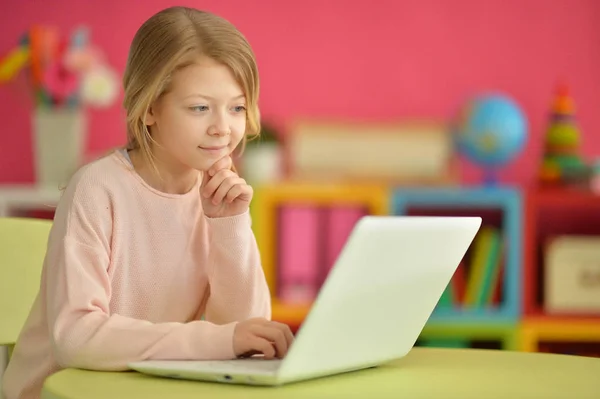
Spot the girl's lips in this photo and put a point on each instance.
(213, 150)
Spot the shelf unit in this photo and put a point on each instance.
(535, 333)
(445, 328)
(290, 314)
(19, 200)
(268, 199)
(499, 206)
(499, 335)
(526, 219)
(550, 212)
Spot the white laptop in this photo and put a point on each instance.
(371, 309)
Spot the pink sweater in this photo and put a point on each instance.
(128, 275)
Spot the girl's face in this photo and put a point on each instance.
(201, 119)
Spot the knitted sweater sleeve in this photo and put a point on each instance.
(238, 288)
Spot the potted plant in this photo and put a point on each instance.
(262, 157)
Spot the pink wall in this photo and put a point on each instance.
(394, 58)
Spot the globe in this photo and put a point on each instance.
(490, 131)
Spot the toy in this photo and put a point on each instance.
(561, 161)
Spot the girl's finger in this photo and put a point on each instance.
(286, 331)
(274, 335)
(262, 345)
(223, 163)
(241, 191)
(225, 187)
(214, 182)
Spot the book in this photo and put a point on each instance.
(298, 250)
(339, 221)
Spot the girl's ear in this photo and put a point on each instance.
(150, 118)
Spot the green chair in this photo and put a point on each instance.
(23, 243)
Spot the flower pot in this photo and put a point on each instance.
(261, 163)
(58, 144)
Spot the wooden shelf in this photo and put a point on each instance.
(293, 314)
(505, 333)
(535, 331)
(551, 212)
(268, 199)
(561, 318)
(499, 207)
(570, 197)
(15, 199)
(526, 218)
(456, 328)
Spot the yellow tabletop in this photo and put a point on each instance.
(423, 373)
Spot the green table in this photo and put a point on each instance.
(423, 373)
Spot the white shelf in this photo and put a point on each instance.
(18, 198)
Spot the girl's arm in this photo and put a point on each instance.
(76, 287)
(238, 288)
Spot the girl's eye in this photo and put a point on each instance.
(239, 108)
(199, 108)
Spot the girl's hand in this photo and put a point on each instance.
(223, 192)
(261, 336)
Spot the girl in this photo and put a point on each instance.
(151, 255)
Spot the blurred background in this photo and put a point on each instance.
(435, 107)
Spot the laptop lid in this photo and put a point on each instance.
(379, 294)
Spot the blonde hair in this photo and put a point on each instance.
(167, 42)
